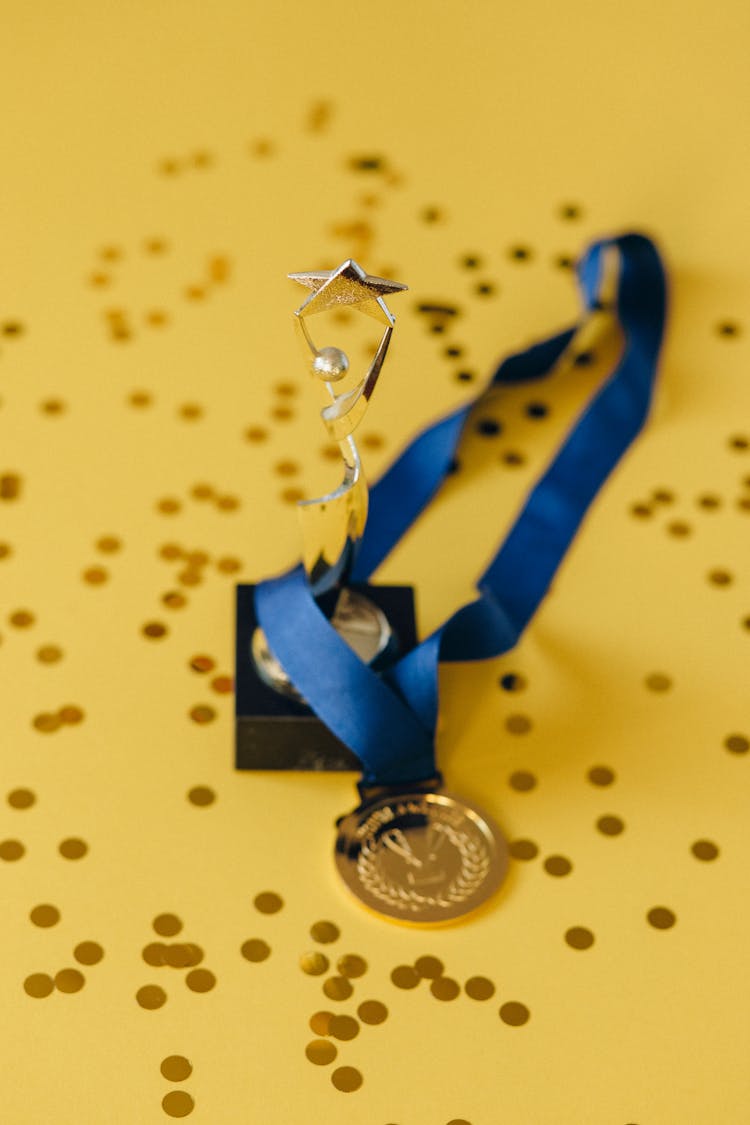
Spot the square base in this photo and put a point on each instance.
(274, 732)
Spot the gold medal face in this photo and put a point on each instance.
(421, 857)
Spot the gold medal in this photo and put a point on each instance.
(420, 856)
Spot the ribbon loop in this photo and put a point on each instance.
(389, 722)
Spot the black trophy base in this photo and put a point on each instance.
(276, 732)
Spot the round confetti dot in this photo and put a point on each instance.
(642, 511)
(351, 965)
(166, 925)
(343, 1027)
(286, 468)
(95, 575)
(523, 849)
(11, 850)
(21, 798)
(286, 390)
(578, 937)
(522, 781)
(338, 988)
(154, 630)
(38, 985)
(405, 976)
(173, 599)
(154, 953)
(320, 1022)
(718, 577)
(708, 501)
(150, 996)
(679, 529)
(373, 441)
(314, 964)
(227, 503)
(254, 949)
(518, 724)
(459, 1121)
(88, 953)
(73, 848)
(601, 775)
(21, 619)
(737, 743)
(255, 434)
(178, 955)
(140, 399)
(514, 1014)
(429, 967)
(661, 918)
(513, 458)
(488, 427)
(372, 1012)
(176, 1068)
(69, 980)
(46, 722)
(194, 952)
(177, 1103)
(168, 505)
(5, 550)
(202, 714)
(445, 988)
(658, 681)
(479, 988)
(268, 902)
(292, 495)
(557, 865)
(324, 932)
(705, 850)
(610, 825)
(200, 980)
(222, 684)
(202, 663)
(201, 796)
(45, 915)
(190, 411)
(228, 564)
(171, 551)
(71, 714)
(49, 654)
(347, 1079)
(108, 544)
(321, 1052)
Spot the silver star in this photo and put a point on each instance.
(347, 285)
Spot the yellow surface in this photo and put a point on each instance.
(227, 131)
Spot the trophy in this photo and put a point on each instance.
(275, 728)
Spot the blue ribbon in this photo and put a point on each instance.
(389, 720)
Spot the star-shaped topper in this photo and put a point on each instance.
(347, 285)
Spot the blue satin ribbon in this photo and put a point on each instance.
(389, 720)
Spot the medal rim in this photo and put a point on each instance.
(499, 857)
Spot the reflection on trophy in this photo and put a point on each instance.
(332, 525)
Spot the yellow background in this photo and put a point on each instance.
(227, 131)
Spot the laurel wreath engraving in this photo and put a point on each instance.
(475, 863)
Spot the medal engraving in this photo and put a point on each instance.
(422, 857)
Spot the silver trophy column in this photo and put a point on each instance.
(333, 525)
